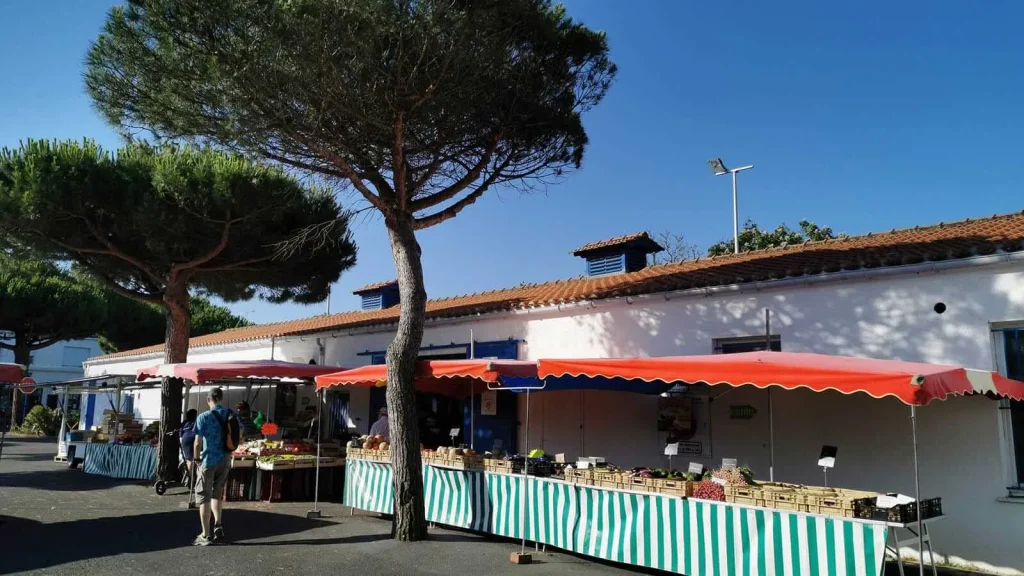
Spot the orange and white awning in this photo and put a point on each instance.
(448, 377)
(206, 372)
(912, 383)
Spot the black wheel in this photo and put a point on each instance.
(160, 487)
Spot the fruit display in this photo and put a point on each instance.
(709, 490)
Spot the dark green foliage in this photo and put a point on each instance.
(754, 238)
(147, 218)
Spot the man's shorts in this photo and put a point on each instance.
(210, 481)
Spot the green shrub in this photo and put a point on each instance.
(41, 421)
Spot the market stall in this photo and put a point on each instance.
(681, 523)
(278, 460)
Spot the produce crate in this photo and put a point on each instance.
(274, 466)
(683, 488)
(305, 463)
(833, 502)
(749, 495)
(500, 466)
(243, 462)
(610, 481)
(900, 514)
(782, 499)
(575, 476)
(640, 484)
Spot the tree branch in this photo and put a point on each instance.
(461, 184)
(118, 253)
(197, 262)
(109, 283)
(453, 210)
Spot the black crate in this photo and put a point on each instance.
(899, 514)
(537, 467)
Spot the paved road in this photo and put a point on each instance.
(57, 521)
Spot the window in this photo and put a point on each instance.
(74, 356)
(1010, 346)
(745, 344)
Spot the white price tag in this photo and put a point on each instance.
(883, 501)
(695, 468)
(454, 432)
(718, 481)
(729, 463)
(672, 449)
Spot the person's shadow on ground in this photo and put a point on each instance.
(32, 545)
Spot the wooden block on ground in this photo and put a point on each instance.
(518, 558)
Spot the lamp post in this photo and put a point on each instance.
(719, 169)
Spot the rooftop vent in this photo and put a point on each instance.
(622, 254)
(378, 296)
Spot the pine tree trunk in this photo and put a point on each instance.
(23, 356)
(175, 351)
(410, 523)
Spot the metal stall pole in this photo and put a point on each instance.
(917, 489)
(315, 512)
(771, 411)
(63, 424)
(472, 399)
(526, 479)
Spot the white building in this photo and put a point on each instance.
(55, 363)
(948, 294)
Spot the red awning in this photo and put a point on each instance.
(205, 372)
(447, 377)
(11, 373)
(911, 383)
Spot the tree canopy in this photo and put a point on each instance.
(754, 238)
(153, 223)
(42, 304)
(136, 324)
(420, 106)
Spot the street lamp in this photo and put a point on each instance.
(720, 170)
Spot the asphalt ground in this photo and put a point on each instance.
(59, 521)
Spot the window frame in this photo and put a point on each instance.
(1012, 455)
(717, 344)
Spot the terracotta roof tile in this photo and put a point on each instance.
(375, 286)
(942, 241)
(643, 237)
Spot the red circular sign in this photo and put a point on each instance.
(27, 385)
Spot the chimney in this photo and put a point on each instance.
(616, 255)
(378, 296)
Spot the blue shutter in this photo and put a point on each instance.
(608, 264)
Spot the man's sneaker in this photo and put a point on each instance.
(218, 533)
(202, 540)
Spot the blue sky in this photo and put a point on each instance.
(861, 116)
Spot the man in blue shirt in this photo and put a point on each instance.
(213, 472)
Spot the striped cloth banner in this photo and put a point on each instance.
(134, 462)
(684, 536)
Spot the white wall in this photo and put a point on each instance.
(887, 317)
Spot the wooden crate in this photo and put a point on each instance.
(275, 466)
(682, 488)
(835, 502)
(244, 462)
(495, 465)
(749, 495)
(640, 484)
(576, 476)
(610, 481)
(305, 464)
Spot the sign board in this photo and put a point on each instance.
(741, 412)
(687, 420)
(828, 457)
(560, 458)
(672, 449)
(729, 463)
(719, 481)
(27, 385)
(489, 403)
(454, 432)
(696, 468)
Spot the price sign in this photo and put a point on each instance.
(696, 468)
(729, 463)
(454, 432)
(827, 459)
(672, 449)
(718, 481)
